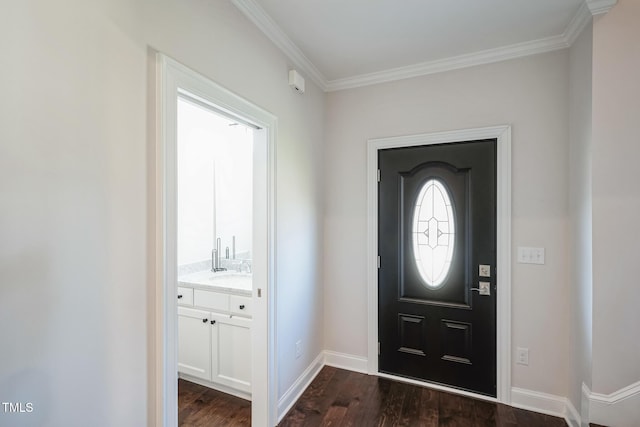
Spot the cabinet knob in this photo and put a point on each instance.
(241, 306)
(213, 322)
(205, 320)
(179, 296)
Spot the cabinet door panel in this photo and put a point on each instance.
(194, 342)
(231, 352)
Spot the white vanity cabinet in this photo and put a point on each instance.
(214, 341)
(231, 352)
(194, 342)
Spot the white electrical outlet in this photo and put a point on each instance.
(522, 356)
(298, 349)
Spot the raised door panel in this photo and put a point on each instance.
(194, 342)
(231, 352)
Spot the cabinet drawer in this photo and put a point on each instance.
(240, 305)
(185, 296)
(212, 300)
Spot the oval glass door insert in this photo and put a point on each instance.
(433, 233)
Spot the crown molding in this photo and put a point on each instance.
(548, 44)
(452, 63)
(263, 21)
(580, 20)
(598, 7)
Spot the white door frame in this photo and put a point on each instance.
(503, 272)
(171, 79)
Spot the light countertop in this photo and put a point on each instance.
(223, 281)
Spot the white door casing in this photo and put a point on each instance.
(172, 79)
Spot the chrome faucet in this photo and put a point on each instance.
(215, 258)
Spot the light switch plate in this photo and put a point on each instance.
(528, 255)
(484, 270)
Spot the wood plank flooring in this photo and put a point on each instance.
(343, 398)
(200, 406)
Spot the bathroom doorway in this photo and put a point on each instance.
(215, 222)
(214, 275)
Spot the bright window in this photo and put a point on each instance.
(433, 233)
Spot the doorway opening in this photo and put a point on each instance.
(421, 290)
(215, 228)
(215, 263)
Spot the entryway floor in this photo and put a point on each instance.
(337, 397)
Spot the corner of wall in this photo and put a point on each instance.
(544, 403)
(289, 398)
(585, 405)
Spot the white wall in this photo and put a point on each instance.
(531, 94)
(580, 216)
(73, 211)
(616, 198)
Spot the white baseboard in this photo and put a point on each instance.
(620, 408)
(216, 386)
(289, 398)
(571, 416)
(329, 358)
(586, 403)
(345, 361)
(544, 403)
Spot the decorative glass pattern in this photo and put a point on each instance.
(433, 233)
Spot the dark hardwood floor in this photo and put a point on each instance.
(342, 398)
(202, 406)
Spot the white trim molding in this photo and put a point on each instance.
(174, 79)
(291, 396)
(503, 321)
(580, 20)
(346, 361)
(503, 53)
(482, 57)
(545, 403)
(256, 14)
(571, 414)
(620, 408)
(598, 7)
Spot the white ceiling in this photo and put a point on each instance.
(347, 43)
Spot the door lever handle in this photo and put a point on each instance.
(484, 288)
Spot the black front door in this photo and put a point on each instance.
(437, 247)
